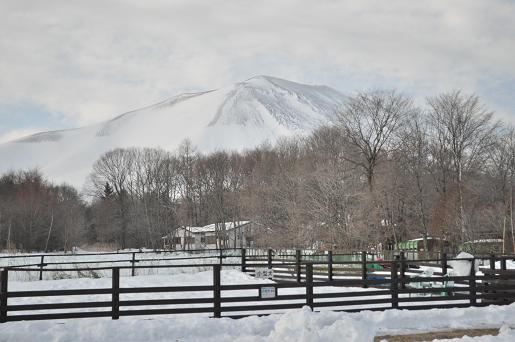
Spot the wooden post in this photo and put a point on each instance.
(133, 270)
(444, 266)
(217, 291)
(115, 301)
(330, 265)
(243, 260)
(298, 267)
(472, 282)
(221, 256)
(444, 263)
(41, 265)
(403, 269)
(503, 263)
(269, 255)
(492, 261)
(394, 286)
(309, 285)
(364, 268)
(3, 295)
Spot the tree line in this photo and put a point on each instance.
(385, 171)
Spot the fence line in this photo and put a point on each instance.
(394, 292)
(393, 281)
(330, 265)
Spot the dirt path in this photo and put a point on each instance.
(437, 335)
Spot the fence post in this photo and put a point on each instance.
(364, 268)
(503, 263)
(115, 300)
(298, 267)
(41, 265)
(243, 260)
(216, 291)
(3, 295)
(269, 258)
(309, 285)
(444, 264)
(492, 261)
(394, 285)
(472, 282)
(221, 256)
(330, 265)
(403, 269)
(133, 270)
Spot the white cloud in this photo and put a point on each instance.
(90, 60)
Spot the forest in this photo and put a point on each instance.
(387, 170)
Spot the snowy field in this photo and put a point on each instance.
(84, 260)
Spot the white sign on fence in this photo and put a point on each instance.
(267, 292)
(264, 273)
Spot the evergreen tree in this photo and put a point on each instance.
(108, 191)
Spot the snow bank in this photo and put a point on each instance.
(462, 267)
(294, 325)
(298, 325)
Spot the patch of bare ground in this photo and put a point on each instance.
(437, 335)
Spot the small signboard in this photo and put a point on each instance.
(267, 292)
(264, 273)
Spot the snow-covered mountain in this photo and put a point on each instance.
(236, 117)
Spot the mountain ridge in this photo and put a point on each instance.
(236, 117)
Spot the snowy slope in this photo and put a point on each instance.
(236, 117)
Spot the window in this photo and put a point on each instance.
(209, 240)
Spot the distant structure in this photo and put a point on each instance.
(212, 236)
(484, 246)
(414, 248)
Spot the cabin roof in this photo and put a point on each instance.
(212, 227)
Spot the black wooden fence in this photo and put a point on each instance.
(392, 291)
(288, 264)
(363, 265)
(122, 257)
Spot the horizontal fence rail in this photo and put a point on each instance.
(299, 279)
(330, 265)
(39, 264)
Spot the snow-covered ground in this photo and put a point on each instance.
(84, 260)
(288, 325)
(193, 278)
(510, 265)
(297, 325)
(293, 325)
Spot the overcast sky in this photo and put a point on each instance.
(67, 63)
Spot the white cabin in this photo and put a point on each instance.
(237, 235)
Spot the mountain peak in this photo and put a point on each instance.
(259, 78)
(261, 100)
(240, 116)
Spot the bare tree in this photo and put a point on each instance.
(114, 167)
(501, 163)
(414, 158)
(370, 122)
(463, 129)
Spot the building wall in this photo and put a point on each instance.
(236, 238)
